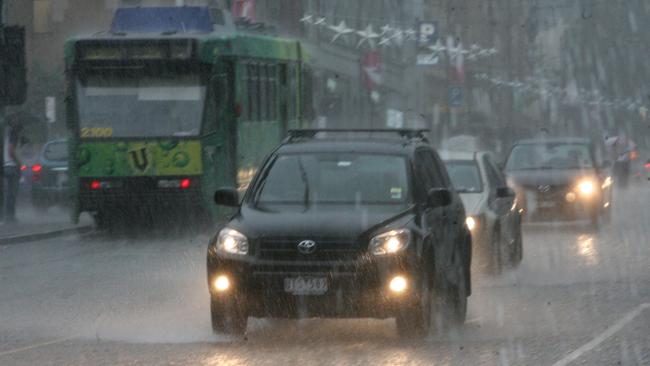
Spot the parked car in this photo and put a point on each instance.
(341, 226)
(28, 155)
(491, 208)
(560, 179)
(49, 175)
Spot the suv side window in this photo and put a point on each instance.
(422, 177)
(442, 171)
(428, 173)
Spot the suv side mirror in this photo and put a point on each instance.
(505, 192)
(227, 197)
(438, 197)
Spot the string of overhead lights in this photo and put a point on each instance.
(543, 88)
(391, 35)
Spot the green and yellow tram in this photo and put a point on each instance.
(157, 122)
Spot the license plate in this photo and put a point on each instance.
(305, 285)
(546, 204)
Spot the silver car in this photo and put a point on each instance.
(492, 213)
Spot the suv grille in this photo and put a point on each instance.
(287, 250)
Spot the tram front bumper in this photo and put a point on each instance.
(97, 194)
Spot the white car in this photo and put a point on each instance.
(492, 213)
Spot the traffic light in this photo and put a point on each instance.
(13, 80)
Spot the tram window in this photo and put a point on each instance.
(293, 92)
(272, 92)
(263, 93)
(253, 92)
(243, 94)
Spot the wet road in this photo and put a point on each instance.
(579, 297)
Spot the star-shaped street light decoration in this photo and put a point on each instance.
(410, 34)
(367, 35)
(385, 41)
(341, 30)
(385, 30)
(320, 21)
(473, 52)
(398, 36)
(438, 47)
(385, 36)
(307, 19)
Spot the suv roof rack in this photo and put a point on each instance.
(310, 133)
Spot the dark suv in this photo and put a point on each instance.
(338, 225)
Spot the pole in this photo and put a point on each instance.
(2, 120)
(446, 130)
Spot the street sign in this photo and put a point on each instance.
(428, 58)
(427, 37)
(50, 109)
(427, 33)
(394, 118)
(455, 96)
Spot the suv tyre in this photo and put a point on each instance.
(228, 317)
(415, 321)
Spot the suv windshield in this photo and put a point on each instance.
(465, 176)
(56, 151)
(334, 178)
(550, 156)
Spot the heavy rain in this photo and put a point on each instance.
(325, 182)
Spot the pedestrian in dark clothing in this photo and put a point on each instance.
(11, 171)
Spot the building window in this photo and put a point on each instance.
(42, 9)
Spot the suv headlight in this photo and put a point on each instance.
(390, 242)
(232, 242)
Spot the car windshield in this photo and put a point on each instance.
(140, 105)
(465, 176)
(334, 178)
(549, 156)
(56, 151)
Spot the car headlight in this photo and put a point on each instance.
(390, 242)
(586, 187)
(232, 242)
(607, 182)
(470, 222)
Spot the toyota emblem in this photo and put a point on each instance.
(544, 188)
(307, 247)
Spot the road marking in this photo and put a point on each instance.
(602, 336)
(56, 341)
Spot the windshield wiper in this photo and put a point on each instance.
(303, 176)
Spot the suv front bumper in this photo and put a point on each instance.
(358, 288)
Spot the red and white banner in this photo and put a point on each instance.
(243, 9)
(371, 64)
